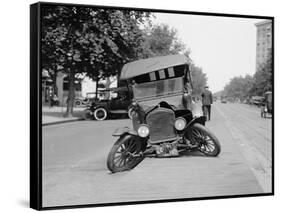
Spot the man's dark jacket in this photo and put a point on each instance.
(207, 98)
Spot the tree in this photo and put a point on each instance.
(258, 84)
(88, 40)
(263, 77)
(239, 87)
(160, 40)
(199, 79)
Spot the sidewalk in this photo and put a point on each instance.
(55, 115)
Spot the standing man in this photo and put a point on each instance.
(207, 100)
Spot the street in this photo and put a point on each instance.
(74, 162)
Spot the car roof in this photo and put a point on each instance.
(148, 65)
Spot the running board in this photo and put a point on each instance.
(119, 111)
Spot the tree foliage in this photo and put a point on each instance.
(89, 40)
(244, 87)
(239, 87)
(263, 77)
(160, 40)
(199, 79)
(98, 42)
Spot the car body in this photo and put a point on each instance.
(257, 100)
(81, 101)
(163, 83)
(224, 99)
(163, 124)
(266, 104)
(118, 102)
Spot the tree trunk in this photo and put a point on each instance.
(97, 88)
(107, 85)
(71, 94)
(55, 83)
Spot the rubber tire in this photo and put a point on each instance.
(78, 102)
(95, 114)
(212, 136)
(110, 157)
(86, 116)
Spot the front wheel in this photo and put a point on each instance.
(124, 154)
(207, 142)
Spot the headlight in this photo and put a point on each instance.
(180, 123)
(143, 131)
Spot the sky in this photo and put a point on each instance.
(224, 47)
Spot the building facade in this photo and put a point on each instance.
(264, 41)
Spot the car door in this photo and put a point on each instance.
(116, 102)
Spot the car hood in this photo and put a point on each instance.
(175, 100)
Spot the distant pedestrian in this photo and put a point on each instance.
(207, 101)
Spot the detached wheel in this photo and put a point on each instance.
(122, 155)
(207, 142)
(87, 115)
(100, 114)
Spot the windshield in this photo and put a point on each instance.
(158, 88)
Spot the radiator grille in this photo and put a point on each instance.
(161, 125)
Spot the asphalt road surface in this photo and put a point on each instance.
(75, 172)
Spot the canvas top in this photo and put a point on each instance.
(148, 65)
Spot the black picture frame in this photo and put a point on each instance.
(36, 103)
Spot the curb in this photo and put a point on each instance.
(61, 122)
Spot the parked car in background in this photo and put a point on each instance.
(118, 102)
(257, 100)
(215, 98)
(224, 99)
(266, 104)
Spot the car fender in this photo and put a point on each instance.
(96, 106)
(124, 130)
(200, 120)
